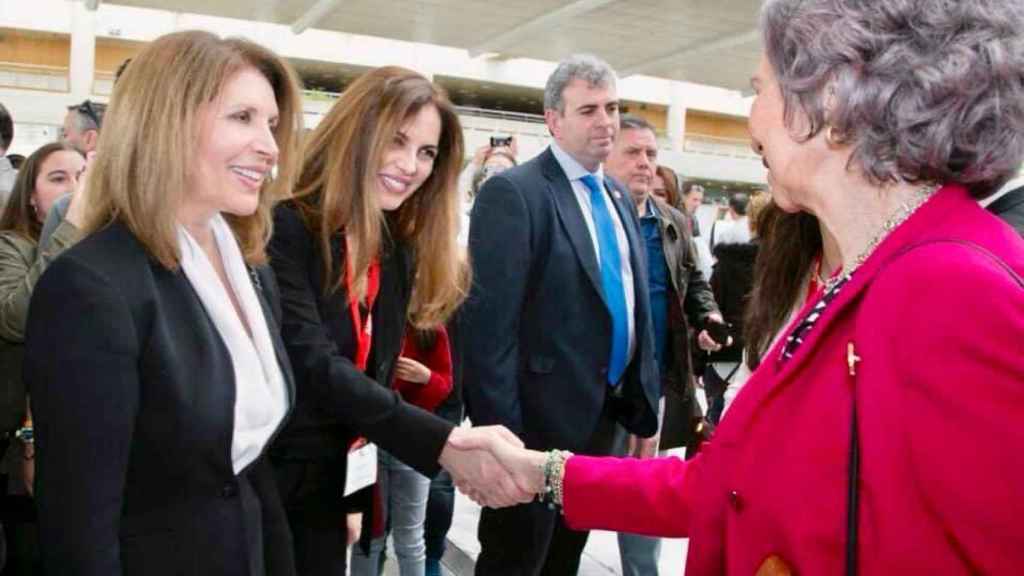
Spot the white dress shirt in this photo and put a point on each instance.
(575, 171)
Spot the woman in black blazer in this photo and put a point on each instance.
(156, 370)
(369, 240)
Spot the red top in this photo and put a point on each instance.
(937, 332)
(439, 360)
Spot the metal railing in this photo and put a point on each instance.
(500, 115)
(34, 77)
(718, 146)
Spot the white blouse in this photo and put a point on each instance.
(260, 398)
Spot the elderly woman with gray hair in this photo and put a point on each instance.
(883, 433)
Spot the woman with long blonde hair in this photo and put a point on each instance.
(153, 415)
(367, 243)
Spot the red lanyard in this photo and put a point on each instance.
(364, 332)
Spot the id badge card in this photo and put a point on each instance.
(362, 469)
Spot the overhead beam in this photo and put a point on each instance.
(695, 49)
(92, 4)
(315, 13)
(541, 23)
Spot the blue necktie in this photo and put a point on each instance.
(611, 278)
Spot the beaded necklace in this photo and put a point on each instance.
(834, 284)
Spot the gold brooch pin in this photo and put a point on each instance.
(852, 359)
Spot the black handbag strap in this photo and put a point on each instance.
(851, 496)
(853, 470)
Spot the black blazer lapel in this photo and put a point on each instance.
(572, 218)
(267, 294)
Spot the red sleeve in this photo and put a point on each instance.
(652, 497)
(439, 360)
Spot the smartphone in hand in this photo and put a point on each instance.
(719, 332)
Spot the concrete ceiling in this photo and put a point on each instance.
(705, 41)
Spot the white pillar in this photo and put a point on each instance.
(83, 50)
(677, 117)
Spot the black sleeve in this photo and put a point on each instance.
(324, 376)
(81, 367)
(499, 247)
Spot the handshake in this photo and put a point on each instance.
(491, 465)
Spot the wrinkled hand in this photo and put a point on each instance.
(469, 456)
(411, 371)
(643, 447)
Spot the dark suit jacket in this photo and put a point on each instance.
(335, 400)
(537, 330)
(133, 396)
(1011, 209)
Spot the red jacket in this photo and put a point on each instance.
(939, 330)
(439, 360)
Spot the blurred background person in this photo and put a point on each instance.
(81, 130)
(8, 171)
(732, 225)
(139, 460)
(49, 172)
(488, 161)
(665, 187)
(692, 198)
(82, 125)
(887, 127)
(731, 282)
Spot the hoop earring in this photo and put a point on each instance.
(830, 136)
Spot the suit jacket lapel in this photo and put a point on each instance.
(263, 294)
(572, 219)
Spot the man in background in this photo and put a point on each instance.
(680, 296)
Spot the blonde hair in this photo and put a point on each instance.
(140, 173)
(759, 200)
(335, 188)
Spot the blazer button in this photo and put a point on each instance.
(229, 490)
(736, 500)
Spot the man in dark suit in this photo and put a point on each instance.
(559, 346)
(1009, 205)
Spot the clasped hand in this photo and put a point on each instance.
(491, 466)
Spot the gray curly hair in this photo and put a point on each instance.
(595, 71)
(923, 90)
